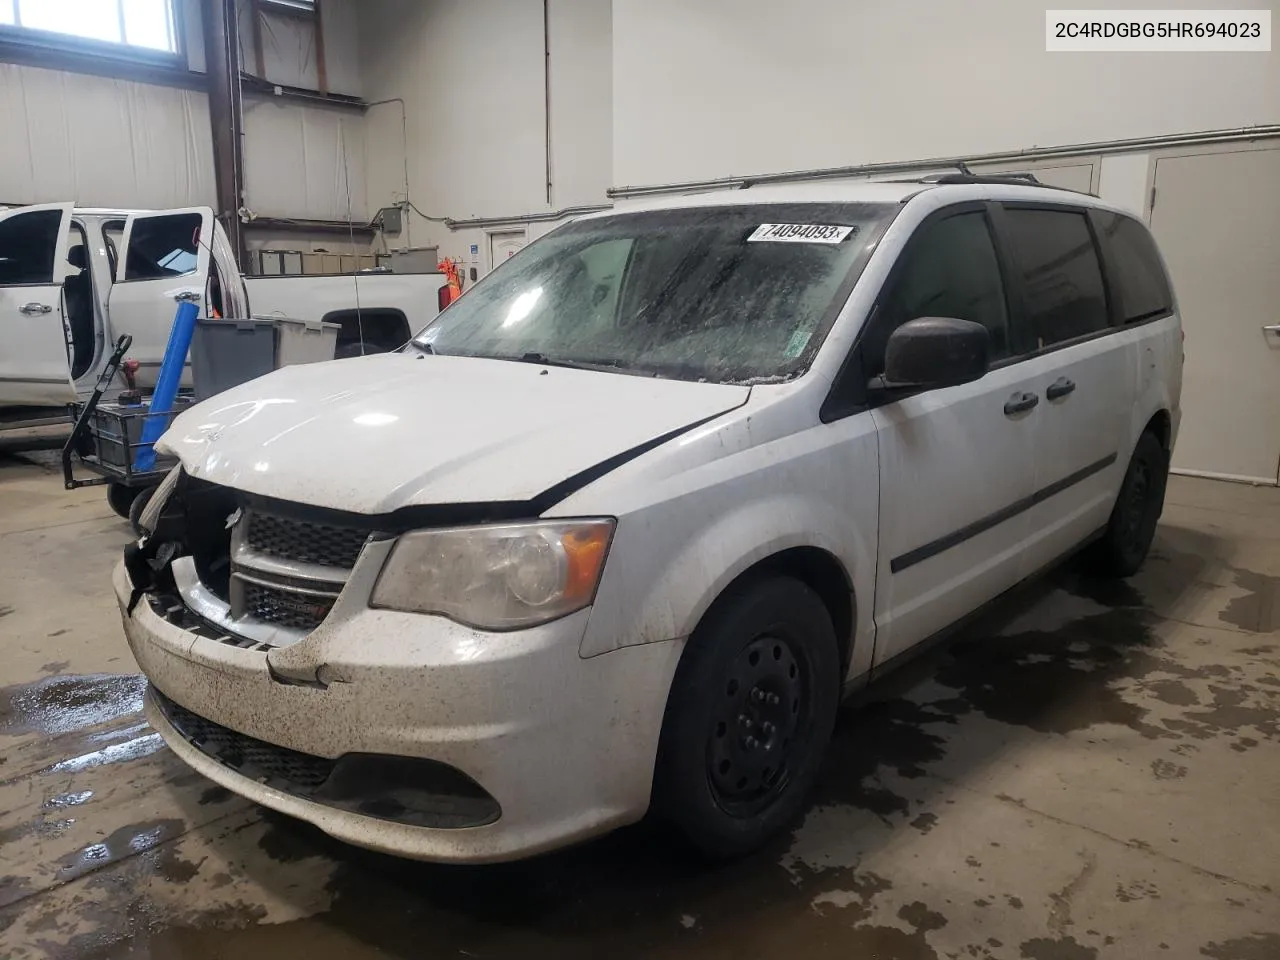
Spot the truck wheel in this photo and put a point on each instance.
(120, 498)
(1132, 526)
(749, 716)
(135, 509)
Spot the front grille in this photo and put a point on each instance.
(284, 607)
(408, 790)
(305, 542)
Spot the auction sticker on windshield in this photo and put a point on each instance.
(799, 233)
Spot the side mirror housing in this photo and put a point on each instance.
(932, 352)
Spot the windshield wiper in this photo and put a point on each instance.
(543, 360)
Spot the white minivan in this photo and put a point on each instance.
(615, 532)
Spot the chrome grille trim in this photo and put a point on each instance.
(203, 602)
(244, 557)
(286, 592)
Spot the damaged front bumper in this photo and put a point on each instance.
(411, 734)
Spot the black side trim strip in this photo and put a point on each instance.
(919, 554)
(561, 491)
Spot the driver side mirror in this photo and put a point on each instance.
(932, 352)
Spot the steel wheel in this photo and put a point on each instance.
(750, 743)
(750, 712)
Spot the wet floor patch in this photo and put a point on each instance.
(1259, 946)
(1077, 657)
(61, 704)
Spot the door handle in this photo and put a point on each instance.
(1272, 328)
(187, 296)
(1060, 388)
(34, 309)
(1020, 403)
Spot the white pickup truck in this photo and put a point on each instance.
(72, 280)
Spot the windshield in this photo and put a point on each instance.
(724, 294)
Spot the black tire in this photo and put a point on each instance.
(1133, 521)
(135, 509)
(120, 498)
(718, 778)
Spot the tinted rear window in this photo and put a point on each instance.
(1138, 275)
(163, 246)
(1061, 275)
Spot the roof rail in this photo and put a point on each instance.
(1018, 179)
(966, 176)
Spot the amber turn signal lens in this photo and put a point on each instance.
(584, 549)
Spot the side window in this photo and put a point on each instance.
(1137, 274)
(166, 246)
(28, 242)
(950, 270)
(606, 263)
(1061, 276)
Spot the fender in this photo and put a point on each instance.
(672, 567)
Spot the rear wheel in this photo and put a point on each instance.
(1133, 521)
(749, 716)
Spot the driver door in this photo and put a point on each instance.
(163, 260)
(956, 464)
(34, 366)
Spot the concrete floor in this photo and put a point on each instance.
(1093, 771)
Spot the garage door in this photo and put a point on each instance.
(1217, 220)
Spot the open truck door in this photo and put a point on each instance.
(35, 368)
(163, 260)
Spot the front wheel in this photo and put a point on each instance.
(749, 716)
(1132, 527)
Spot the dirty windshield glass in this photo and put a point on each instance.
(725, 294)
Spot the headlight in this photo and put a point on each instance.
(496, 577)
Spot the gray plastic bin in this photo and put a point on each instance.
(305, 341)
(227, 353)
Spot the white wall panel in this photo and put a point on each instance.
(299, 161)
(725, 87)
(471, 75)
(581, 100)
(102, 142)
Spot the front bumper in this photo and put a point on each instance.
(564, 745)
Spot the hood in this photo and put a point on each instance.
(374, 434)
